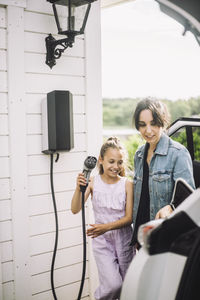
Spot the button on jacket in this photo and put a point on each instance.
(170, 161)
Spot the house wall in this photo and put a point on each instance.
(27, 223)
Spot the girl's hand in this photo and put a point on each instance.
(96, 230)
(164, 212)
(80, 180)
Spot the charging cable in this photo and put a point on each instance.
(83, 189)
(56, 224)
(89, 164)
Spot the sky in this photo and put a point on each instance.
(145, 54)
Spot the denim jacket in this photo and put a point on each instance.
(170, 161)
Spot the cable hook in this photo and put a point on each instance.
(57, 157)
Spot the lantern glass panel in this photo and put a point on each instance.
(76, 18)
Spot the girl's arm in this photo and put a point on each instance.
(76, 202)
(98, 229)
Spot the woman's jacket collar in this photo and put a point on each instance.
(161, 149)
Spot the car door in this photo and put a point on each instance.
(187, 132)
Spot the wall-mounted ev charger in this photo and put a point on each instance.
(57, 122)
(57, 136)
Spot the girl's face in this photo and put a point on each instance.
(112, 162)
(148, 129)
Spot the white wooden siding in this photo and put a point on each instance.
(93, 108)
(6, 256)
(17, 151)
(27, 225)
(68, 75)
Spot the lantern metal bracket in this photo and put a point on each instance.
(55, 48)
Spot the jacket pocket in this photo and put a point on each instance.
(162, 188)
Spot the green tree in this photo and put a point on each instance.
(132, 144)
(178, 109)
(118, 113)
(181, 138)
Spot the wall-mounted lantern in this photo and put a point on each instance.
(71, 17)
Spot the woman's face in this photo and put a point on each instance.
(148, 129)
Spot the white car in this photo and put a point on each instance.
(167, 267)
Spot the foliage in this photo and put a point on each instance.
(196, 140)
(132, 144)
(118, 113)
(181, 138)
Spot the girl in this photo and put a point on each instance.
(112, 200)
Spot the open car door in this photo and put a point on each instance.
(187, 132)
(186, 12)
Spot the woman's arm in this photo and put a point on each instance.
(98, 229)
(182, 169)
(76, 202)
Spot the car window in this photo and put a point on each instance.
(196, 141)
(180, 136)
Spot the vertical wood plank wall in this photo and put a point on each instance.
(6, 237)
(27, 225)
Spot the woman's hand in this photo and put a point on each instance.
(96, 230)
(164, 212)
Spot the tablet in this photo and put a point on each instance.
(181, 191)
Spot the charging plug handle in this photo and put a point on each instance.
(83, 188)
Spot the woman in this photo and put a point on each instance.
(157, 165)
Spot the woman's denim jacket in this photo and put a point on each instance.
(170, 161)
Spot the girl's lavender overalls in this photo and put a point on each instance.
(112, 250)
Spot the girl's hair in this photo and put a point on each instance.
(159, 111)
(112, 142)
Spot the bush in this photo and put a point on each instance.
(132, 144)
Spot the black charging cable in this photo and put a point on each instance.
(89, 164)
(56, 224)
(83, 189)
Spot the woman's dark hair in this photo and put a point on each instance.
(159, 111)
(111, 142)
